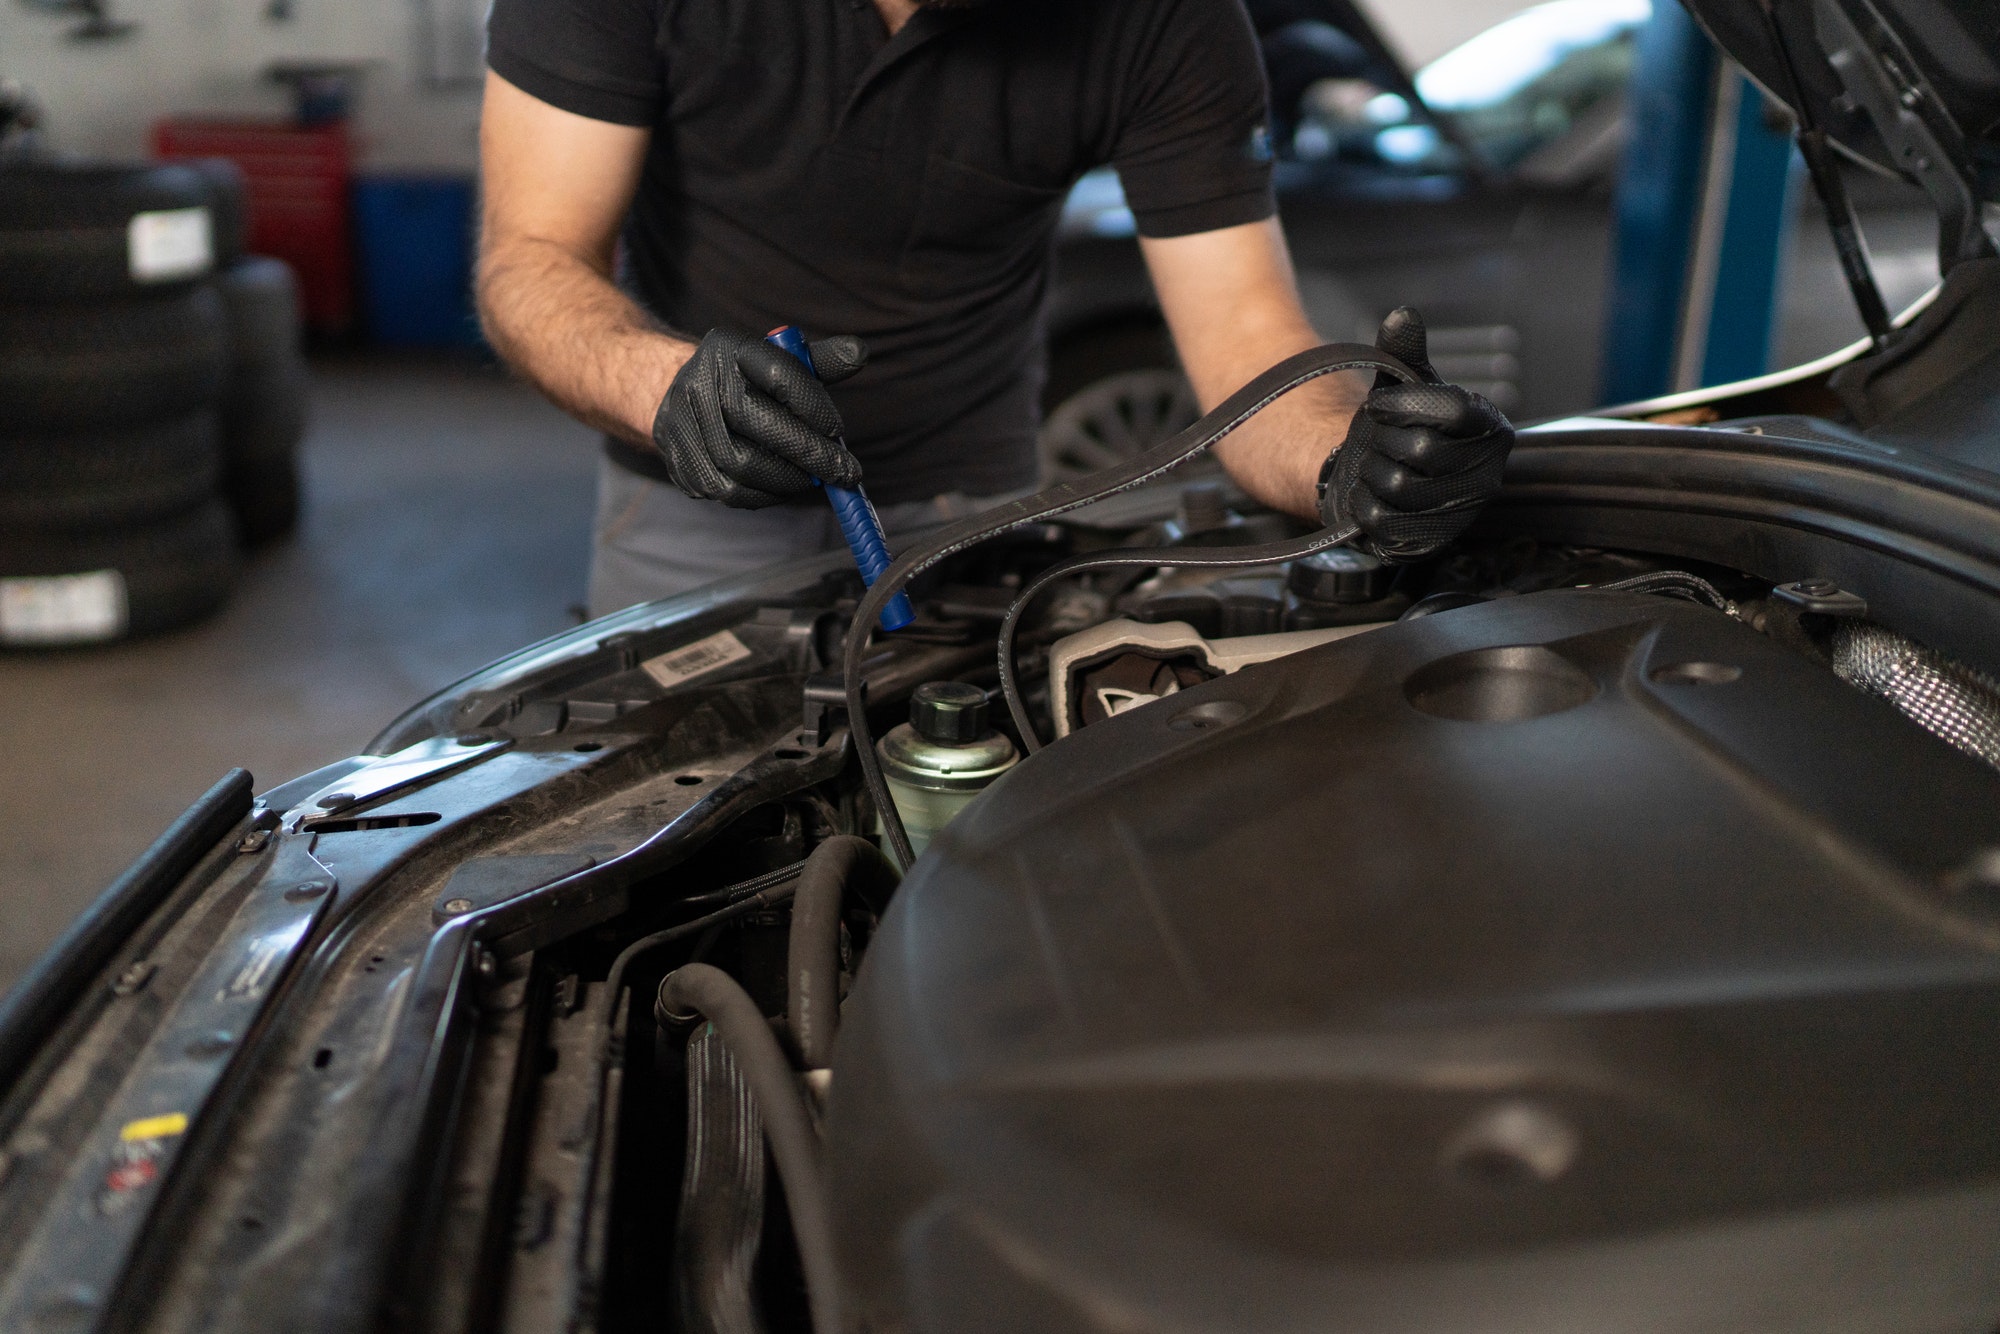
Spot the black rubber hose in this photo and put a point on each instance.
(701, 989)
(1156, 462)
(812, 966)
(764, 891)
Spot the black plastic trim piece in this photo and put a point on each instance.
(39, 1002)
(395, 1192)
(1917, 538)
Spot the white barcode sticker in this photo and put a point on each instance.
(697, 659)
(170, 244)
(63, 608)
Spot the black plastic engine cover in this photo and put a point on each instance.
(1574, 961)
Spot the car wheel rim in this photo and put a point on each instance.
(1111, 420)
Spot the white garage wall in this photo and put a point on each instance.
(206, 57)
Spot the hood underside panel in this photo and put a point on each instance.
(1941, 56)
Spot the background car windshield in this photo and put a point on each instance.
(1514, 88)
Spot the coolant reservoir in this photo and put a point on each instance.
(942, 758)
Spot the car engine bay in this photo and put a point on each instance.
(1598, 919)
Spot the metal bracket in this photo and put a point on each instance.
(1823, 167)
(1880, 75)
(421, 763)
(825, 705)
(484, 881)
(1822, 597)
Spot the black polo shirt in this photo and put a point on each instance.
(807, 168)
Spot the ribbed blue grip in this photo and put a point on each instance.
(858, 520)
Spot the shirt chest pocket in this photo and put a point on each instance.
(972, 225)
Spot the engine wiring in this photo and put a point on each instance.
(765, 891)
(1672, 584)
(951, 539)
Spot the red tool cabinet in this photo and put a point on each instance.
(298, 179)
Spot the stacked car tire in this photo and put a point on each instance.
(264, 406)
(151, 398)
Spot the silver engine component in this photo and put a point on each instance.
(1077, 698)
(942, 758)
(1951, 701)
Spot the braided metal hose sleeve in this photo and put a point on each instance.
(780, 1101)
(1156, 462)
(843, 864)
(1947, 699)
(1182, 558)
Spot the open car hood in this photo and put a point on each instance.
(1909, 86)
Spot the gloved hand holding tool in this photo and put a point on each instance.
(748, 421)
(1419, 461)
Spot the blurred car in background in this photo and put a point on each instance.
(1478, 190)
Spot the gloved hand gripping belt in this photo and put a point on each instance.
(1420, 459)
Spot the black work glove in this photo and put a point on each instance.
(747, 424)
(1419, 459)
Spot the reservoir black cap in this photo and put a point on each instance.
(949, 713)
(1339, 575)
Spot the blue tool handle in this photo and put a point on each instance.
(858, 520)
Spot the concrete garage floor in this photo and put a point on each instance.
(447, 520)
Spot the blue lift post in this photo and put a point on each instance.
(1702, 214)
(1742, 312)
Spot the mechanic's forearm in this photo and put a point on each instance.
(562, 324)
(1276, 457)
(1233, 306)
